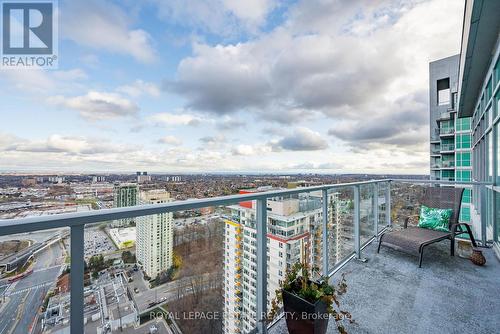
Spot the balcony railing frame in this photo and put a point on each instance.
(77, 221)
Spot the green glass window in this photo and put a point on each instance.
(497, 101)
(463, 141)
(464, 124)
(497, 72)
(448, 175)
(497, 126)
(463, 159)
(465, 214)
(466, 198)
(488, 91)
(462, 175)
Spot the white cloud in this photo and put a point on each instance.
(168, 119)
(249, 150)
(170, 140)
(243, 150)
(97, 105)
(105, 26)
(357, 62)
(91, 60)
(213, 142)
(71, 145)
(302, 139)
(229, 124)
(39, 81)
(139, 88)
(358, 68)
(223, 17)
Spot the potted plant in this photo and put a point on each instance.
(309, 304)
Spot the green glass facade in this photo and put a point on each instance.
(485, 145)
(463, 168)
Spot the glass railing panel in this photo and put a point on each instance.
(304, 240)
(382, 208)
(405, 202)
(34, 276)
(366, 209)
(178, 269)
(340, 224)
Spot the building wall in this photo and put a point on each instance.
(288, 241)
(154, 245)
(486, 145)
(125, 195)
(450, 136)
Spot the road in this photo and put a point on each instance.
(169, 291)
(24, 297)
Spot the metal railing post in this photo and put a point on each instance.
(484, 217)
(357, 241)
(375, 210)
(261, 266)
(325, 232)
(388, 219)
(76, 281)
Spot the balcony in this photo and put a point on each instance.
(390, 294)
(445, 132)
(448, 164)
(436, 151)
(435, 166)
(447, 148)
(446, 115)
(365, 210)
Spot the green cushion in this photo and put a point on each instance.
(435, 219)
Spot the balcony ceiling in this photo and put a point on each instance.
(481, 31)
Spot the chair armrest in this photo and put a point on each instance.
(407, 219)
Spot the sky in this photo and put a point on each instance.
(315, 86)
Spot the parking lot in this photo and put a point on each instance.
(97, 242)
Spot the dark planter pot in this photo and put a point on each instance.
(303, 317)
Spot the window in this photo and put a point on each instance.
(463, 141)
(463, 175)
(463, 159)
(465, 214)
(466, 198)
(497, 71)
(443, 91)
(463, 124)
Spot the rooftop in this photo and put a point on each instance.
(390, 294)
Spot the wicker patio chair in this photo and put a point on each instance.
(413, 240)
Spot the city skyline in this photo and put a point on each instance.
(179, 107)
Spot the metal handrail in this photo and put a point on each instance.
(77, 221)
(30, 224)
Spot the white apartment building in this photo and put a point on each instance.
(289, 240)
(154, 235)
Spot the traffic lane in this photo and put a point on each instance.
(37, 277)
(31, 306)
(9, 313)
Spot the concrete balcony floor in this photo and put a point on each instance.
(390, 294)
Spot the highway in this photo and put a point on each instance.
(24, 297)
